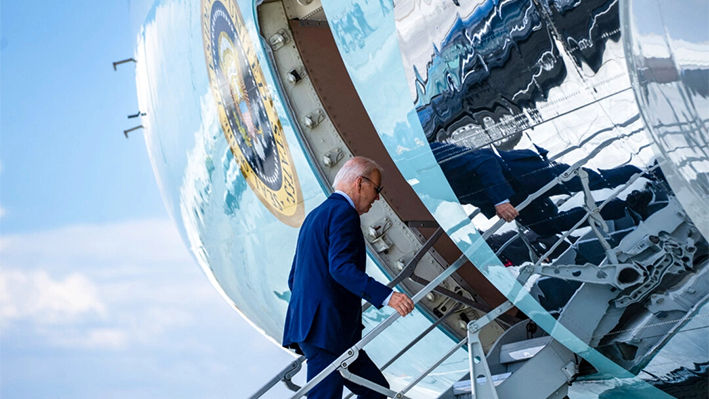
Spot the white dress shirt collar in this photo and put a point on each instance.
(347, 197)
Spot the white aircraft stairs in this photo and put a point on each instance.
(513, 361)
(525, 358)
(517, 357)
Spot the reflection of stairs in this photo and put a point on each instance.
(520, 362)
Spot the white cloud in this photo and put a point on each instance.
(37, 296)
(137, 319)
(100, 286)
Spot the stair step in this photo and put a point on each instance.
(522, 350)
(463, 387)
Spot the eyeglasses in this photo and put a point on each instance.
(378, 189)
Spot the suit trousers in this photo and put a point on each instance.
(331, 387)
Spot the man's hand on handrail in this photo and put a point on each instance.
(401, 303)
(506, 211)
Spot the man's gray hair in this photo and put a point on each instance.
(354, 168)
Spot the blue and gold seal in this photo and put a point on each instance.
(247, 113)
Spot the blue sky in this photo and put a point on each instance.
(98, 295)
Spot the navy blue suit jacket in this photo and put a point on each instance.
(327, 279)
(481, 178)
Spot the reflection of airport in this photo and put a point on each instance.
(485, 79)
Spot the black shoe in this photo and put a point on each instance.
(638, 201)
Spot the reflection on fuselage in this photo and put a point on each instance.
(527, 104)
(668, 61)
(485, 81)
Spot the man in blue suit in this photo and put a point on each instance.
(497, 184)
(328, 281)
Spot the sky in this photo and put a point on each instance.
(99, 297)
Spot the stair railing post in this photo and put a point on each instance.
(481, 384)
(284, 375)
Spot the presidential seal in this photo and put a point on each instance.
(246, 111)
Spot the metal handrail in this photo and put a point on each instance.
(505, 320)
(415, 340)
(423, 375)
(284, 375)
(289, 371)
(410, 267)
(344, 360)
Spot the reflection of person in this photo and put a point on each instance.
(328, 280)
(497, 184)
(361, 20)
